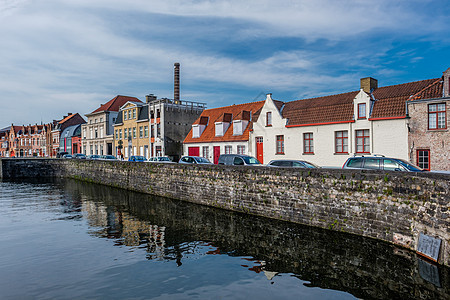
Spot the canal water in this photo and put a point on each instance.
(74, 240)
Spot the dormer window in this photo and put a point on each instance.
(269, 118)
(219, 128)
(196, 131)
(361, 111)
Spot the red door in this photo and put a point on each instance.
(259, 149)
(216, 154)
(194, 151)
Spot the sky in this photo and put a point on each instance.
(61, 56)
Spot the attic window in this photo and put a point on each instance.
(269, 118)
(361, 111)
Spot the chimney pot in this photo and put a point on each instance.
(369, 84)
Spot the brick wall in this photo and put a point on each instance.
(393, 207)
(437, 141)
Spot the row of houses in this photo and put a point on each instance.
(407, 121)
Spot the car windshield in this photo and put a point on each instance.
(163, 159)
(202, 160)
(410, 166)
(310, 165)
(140, 158)
(250, 160)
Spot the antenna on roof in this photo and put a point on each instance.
(259, 95)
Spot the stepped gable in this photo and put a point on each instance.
(390, 100)
(326, 109)
(214, 114)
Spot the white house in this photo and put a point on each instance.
(327, 130)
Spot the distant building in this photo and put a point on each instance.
(170, 122)
(58, 127)
(131, 130)
(98, 132)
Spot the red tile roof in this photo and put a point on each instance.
(214, 114)
(115, 103)
(334, 108)
(391, 100)
(66, 118)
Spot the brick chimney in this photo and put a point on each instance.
(176, 82)
(369, 84)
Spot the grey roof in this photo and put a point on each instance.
(143, 113)
(74, 130)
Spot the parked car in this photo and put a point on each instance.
(107, 157)
(291, 163)
(79, 156)
(136, 158)
(93, 157)
(61, 154)
(67, 156)
(238, 160)
(380, 163)
(163, 159)
(194, 160)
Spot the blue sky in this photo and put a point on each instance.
(60, 56)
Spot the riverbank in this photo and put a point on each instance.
(390, 206)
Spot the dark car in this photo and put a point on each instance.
(67, 156)
(61, 154)
(238, 160)
(291, 163)
(136, 158)
(380, 163)
(79, 156)
(194, 160)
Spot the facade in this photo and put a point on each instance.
(98, 132)
(429, 136)
(327, 130)
(58, 127)
(70, 140)
(223, 130)
(131, 135)
(170, 122)
(4, 142)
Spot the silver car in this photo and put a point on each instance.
(194, 160)
(291, 163)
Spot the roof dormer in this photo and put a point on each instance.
(241, 122)
(222, 124)
(199, 127)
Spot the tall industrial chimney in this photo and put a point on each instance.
(176, 82)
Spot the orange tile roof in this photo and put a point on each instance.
(115, 103)
(214, 114)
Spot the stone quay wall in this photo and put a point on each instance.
(390, 206)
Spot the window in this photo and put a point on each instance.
(437, 116)
(269, 118)
(129, 133)
(117, 134)
(361, 111)
(228, 149)
(308, 143)
(125, 115)
(280, 144)
(101, 120)
(134, 113)
(146, 131)
(125, 135)
(205, 152)
(129, 114)
(158, 130)
(372, 163)
(391, 165)
(134, 132)
(240, 149)
(152, 131)
(141, 132)
(423, 159)
(341, 142)
(120, 133)
(158, 114)
(96, 133)
(362, 141)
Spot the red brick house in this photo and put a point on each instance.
(429, 136)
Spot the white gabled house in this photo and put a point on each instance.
(327, 130)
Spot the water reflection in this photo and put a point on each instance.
(171, 230)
